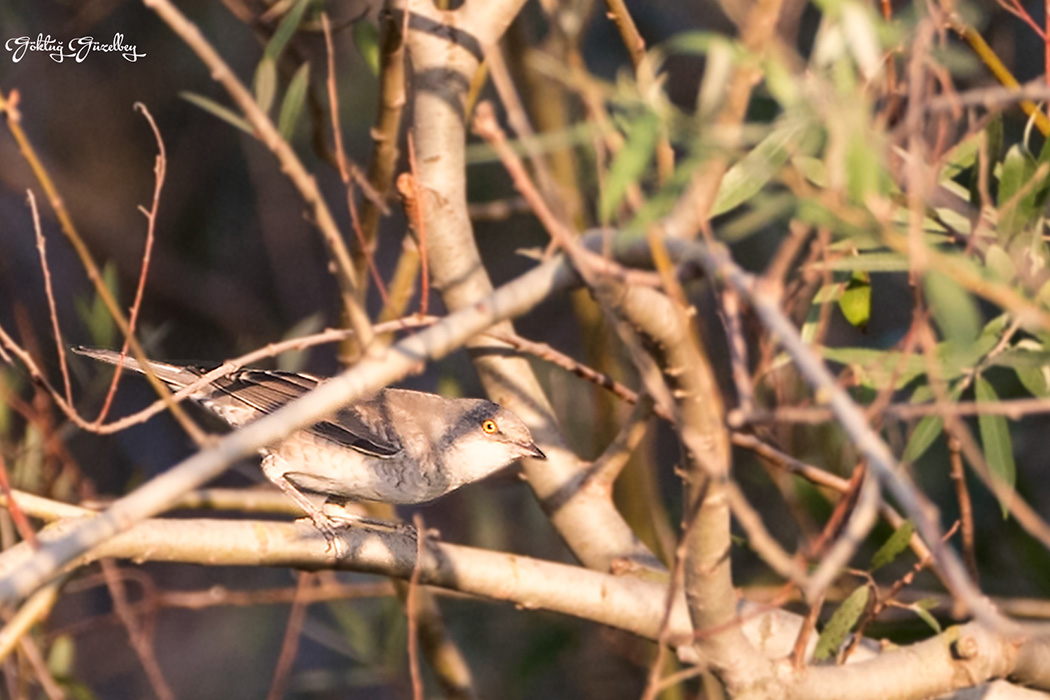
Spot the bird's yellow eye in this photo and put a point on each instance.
(490, 427)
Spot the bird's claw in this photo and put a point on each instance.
(330, 530)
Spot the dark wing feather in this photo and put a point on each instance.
(266, 391)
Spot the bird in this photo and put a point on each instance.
(396, 446)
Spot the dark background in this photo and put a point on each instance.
(236, 265)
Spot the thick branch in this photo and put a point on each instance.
(959, 658)
(445, 50)
(700, 422)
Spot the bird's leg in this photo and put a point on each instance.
(274, 467)
(335, 508)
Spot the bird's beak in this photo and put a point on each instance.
(530, 450)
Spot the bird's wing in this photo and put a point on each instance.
(266, 391)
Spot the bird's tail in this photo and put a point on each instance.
(173, 375)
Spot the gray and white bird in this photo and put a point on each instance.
(396, 446)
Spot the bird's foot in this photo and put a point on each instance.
(330, 529)
(339, 511)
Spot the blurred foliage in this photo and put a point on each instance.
(893, 247)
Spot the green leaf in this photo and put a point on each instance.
(878, 367)
(896, 544)
(812, 168)
(366, 39)
(962, 156)
(924, 435)
(995, 437)
(746, 178)
(285, 30)
(630, 163)
(765, 211)
(855, 302)
(216, 109)
(930, 427)
(953, 308)
(61, 657)
(265, 84)
(993, 140)
(95, 316)
(294, 99)
(1000, 264)
(297, 360)
(1020, 357)
(841, 623)
(922, 609)
(1031, 363)
(1035, 381)
(1042, 190)
(697, 42)
(864, 171)
(1014, 212)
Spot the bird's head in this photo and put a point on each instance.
(484, 438)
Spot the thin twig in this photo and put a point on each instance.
(556, 357)
(730, 315)
(419, 219)
(41, 246)
(677, 583)
(387, 129)
(159, 169)
(412, 610)
(19, 517)
(292, 633)
(962, 495)
(518, 119)
(348, 171)
(140, 641)
(646, 75)
(614, 458)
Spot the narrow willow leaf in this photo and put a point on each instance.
(992, 136)
(953, 308)
(858, 22)
(265, 84)
(929, 428)
(1015, 174)
(1031, 363)
(879, 366)
(922, 609)
(995, 437)
(1042, 188)
(962, 156)
(893, 546)
(630, 163)
(294, 99)
(224, 113)
(924, 435)
(102, 330)
(285, 30)
(865, 175)
(841, 623)
(746, 178)
(1000, 264)
(366, 40)
(880, 261)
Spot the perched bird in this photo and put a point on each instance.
(396, 446)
